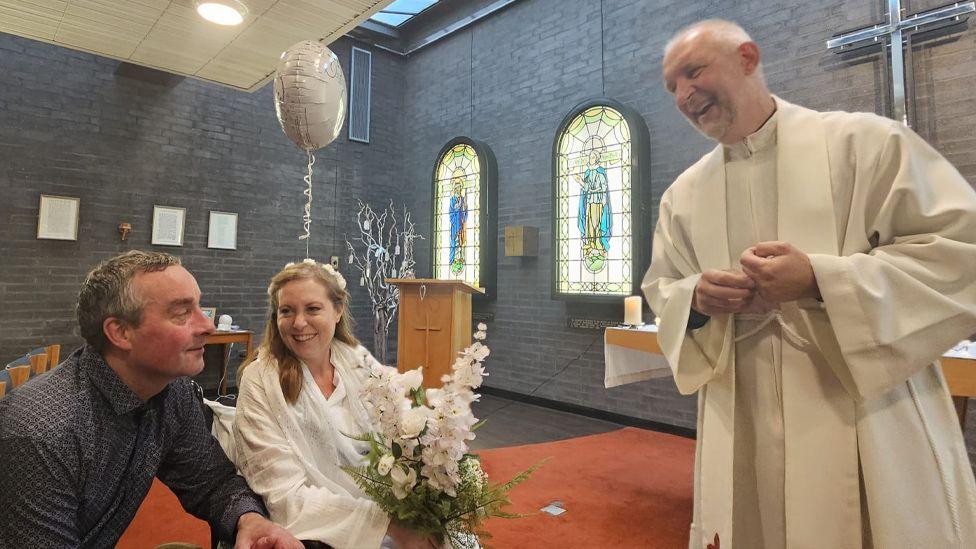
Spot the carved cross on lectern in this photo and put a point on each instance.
(900, 31)
(426, 328)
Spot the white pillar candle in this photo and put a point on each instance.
(632, 310)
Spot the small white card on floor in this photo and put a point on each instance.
(553, 509)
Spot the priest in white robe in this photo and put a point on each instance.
(808, 273)
(298, 400)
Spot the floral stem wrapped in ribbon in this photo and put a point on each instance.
(419, 469)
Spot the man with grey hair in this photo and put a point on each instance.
(809, 272)
(80, 446)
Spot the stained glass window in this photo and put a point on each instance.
(594, 204)
(463, 234)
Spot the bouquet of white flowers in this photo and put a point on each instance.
(419, 469)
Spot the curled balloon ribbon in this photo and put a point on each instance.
(307, 218)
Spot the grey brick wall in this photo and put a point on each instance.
(509, 80)
(125, 139)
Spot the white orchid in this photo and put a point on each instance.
(420, 445)
(411, 380)
(469, 375)
(422, 435)
(404, 479)
(478, 351)
(385, 464)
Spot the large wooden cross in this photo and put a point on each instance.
(899, 31)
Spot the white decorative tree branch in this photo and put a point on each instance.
(383, 249)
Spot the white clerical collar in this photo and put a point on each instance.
(761, 139)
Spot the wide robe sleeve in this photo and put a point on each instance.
(695, 356)
(318, 509)
(910, 294)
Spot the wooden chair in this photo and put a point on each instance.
(53, 355)
(19, 375)
(38, 363)
(3, 389)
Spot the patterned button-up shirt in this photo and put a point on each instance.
(79, 450)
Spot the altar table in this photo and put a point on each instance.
(633, 354)
(225, 339)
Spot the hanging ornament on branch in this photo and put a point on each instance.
(310, 101)
(379, 232)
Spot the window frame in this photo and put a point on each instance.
(488, 211)
(640, 189)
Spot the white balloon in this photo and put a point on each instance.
(310, 95)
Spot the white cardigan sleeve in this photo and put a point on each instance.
(320, 510)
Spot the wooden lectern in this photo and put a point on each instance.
(434, 325)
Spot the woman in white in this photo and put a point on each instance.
(297, 400)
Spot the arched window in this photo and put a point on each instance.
(597, 164)
(464, 220)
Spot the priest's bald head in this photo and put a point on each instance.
(713, 70)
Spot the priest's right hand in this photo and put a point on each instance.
(719, 292)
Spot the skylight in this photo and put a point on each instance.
(401, 11)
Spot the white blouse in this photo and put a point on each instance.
(291, 454)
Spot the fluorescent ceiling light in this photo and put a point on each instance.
(222, 12)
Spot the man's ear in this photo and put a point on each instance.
(749, 57)
(117, 333)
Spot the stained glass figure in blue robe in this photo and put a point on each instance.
(595, 219)
(458, 212)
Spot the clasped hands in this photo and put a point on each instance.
(772, 273)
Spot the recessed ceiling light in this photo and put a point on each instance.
(222, 12)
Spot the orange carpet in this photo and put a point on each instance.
(161, 519)
(629, 488)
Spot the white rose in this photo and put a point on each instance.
(482, 327)
(385, 464)
(412, 422)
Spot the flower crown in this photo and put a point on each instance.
(327, 267)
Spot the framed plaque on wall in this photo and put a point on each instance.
(223, 231)
(57, 217)
(167, 227)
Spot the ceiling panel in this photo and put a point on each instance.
(169, 35)
(31, 19)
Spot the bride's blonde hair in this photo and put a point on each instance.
(289, 367)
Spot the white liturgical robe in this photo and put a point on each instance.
(825, 423)
(291, 454)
